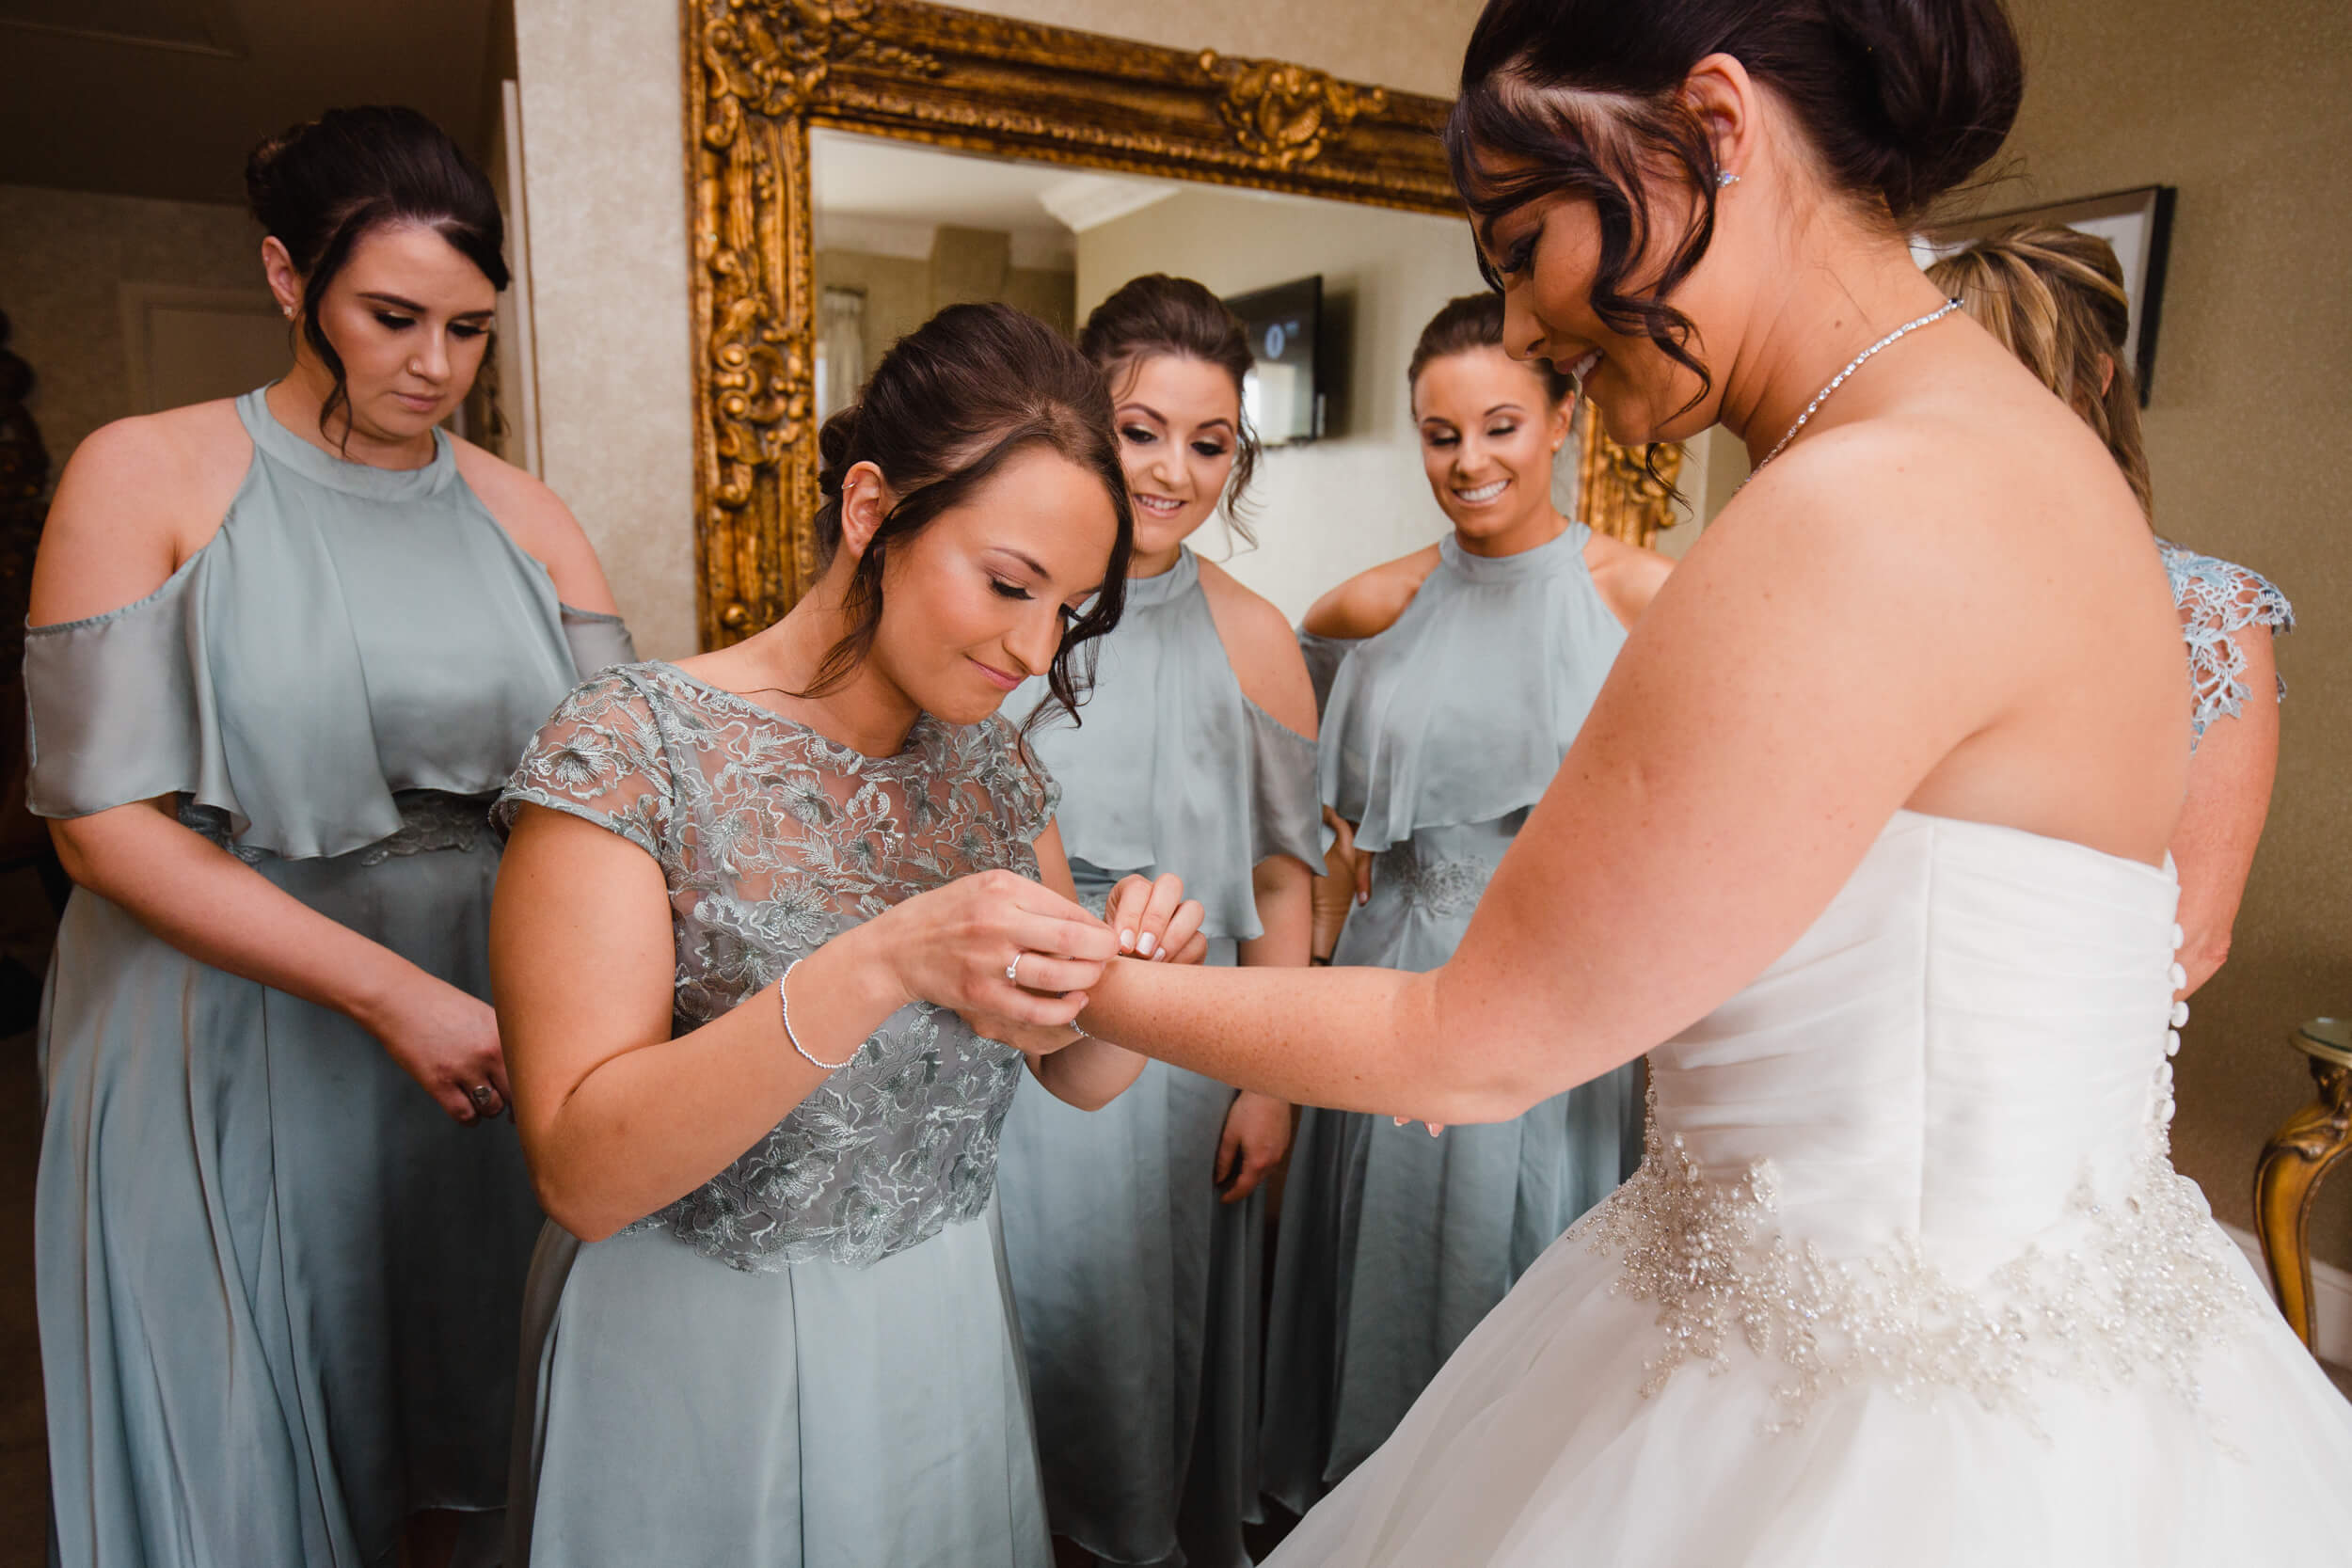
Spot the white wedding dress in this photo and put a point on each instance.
(1906, 1278)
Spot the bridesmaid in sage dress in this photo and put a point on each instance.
(287, 649)
(765, 920)
(1136, 1235)
(1466, 671)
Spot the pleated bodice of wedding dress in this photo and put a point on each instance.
(1906, 1275)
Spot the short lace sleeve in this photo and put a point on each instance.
(2218, 600)
(601, 757)
(1018, 782)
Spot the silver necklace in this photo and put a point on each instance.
(1839, 379)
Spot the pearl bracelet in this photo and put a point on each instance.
(783, 1006)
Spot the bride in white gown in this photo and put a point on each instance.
(1867, 829)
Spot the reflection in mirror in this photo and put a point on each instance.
(904, 228)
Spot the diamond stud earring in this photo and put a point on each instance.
(1725, 180)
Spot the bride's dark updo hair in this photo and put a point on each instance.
(320, 188)
(948, 403)
(1900, 99)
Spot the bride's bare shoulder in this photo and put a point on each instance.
(1370, 602)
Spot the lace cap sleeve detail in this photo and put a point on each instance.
(1324, 656)
(600, 756)
(2218, 600)
(1017, 781)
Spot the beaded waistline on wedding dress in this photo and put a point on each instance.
(2132, 1288)
(2126, 1280)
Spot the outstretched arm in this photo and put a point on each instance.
(1781, 698)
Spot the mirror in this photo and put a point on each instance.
(1335, 292)
(856, 168)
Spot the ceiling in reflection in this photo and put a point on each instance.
(886, 198)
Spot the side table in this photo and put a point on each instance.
(2292, 1163)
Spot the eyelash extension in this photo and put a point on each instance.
(394, 323)
(1015, 591)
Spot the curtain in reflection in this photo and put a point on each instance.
(840, 348)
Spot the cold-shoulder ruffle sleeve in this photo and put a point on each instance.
(115, 711)
(598, 641)
(1324, 656)
(265, 684)
(2217, 599)
(602, 757)
(1174, 768)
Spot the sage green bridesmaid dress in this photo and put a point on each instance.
(277, 1285)
(1139, 1290)
(1437, 736)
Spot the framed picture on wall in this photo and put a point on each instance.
(2136, 222)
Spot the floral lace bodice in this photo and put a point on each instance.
(2218, 600)
(773, 840)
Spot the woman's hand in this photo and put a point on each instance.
(1030, 1039)
(999, 946)
(1257, 1135)
(1344, 882)
(1156, 921)
(445, 1040)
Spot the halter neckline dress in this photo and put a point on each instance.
(1438, 734)
(278, 1285)
(1139, 1290)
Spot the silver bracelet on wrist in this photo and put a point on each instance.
(783, 1006)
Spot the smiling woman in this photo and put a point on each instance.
(1134, 1237)
(779, 927)
(1466, 671)
(286, 649)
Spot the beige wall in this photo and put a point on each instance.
(66, 256)
(2245, 108)
(606, 196)
(604, 191)
(1326, 509)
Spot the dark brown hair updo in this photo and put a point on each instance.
(319, 188)
(1472, 323)
(948, 403)
(2055, 298)
(1156, 314)
(1901, 100)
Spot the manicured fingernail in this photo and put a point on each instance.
(1362, 899)
(1143, 944)
(1433, 1131)
(1127, 941)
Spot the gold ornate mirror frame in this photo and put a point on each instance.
(761, 73)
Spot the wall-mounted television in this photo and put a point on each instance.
(1283, 395)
